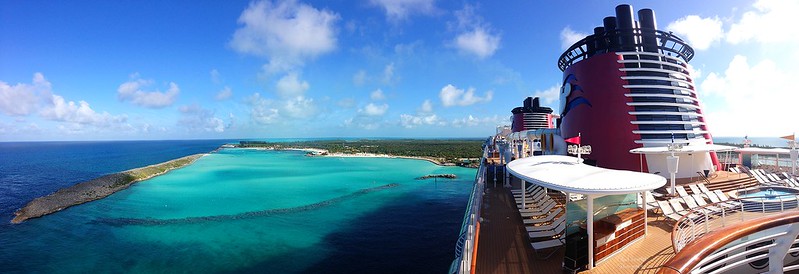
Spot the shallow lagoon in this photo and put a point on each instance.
(324, 214)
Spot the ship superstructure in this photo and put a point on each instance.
(629, 85)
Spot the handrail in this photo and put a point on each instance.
(715, 216)
(694, 253)
(465, 248)
(668, 44)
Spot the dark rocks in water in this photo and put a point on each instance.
(446, 176)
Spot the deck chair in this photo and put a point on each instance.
(734, 170)
(677, 206)
(537, 212)
(689, 200)
(695, 189)
(700, 200)
(667, 211)
(723, 197)
(703, 188)
(557, 230)
(651, 203)
(546, 244)
(681, 191)
(716, 201)
(531, 197)
(529, 190)
(546, 226)
(536, 205)
(534, 202)
(773, 177)
(548, 218)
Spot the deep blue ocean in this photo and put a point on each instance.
(236, 210)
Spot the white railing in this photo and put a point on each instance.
(465, 247)
(755, 246)
(712, 217)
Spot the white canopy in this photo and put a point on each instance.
(683, 150)
(759, 150)
(564, 173)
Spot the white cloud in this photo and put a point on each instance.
(452, 96)
(215, 76)
(223, 94)
(359, 78)
(133, 91)
(568, 37)
(388, 74)
(285, 110)
(196, 118)
(374, 110)
(397, 10)
(475, 37)
(471, 121)
(743, 86)
(80, 113)
(377, 95)
(427, 107)
(287, 33)
(699, 32)
(771, 21)
(23, 99)
(291, 86)
(411, 121)
(549, 96)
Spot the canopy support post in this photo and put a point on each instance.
(590, 227)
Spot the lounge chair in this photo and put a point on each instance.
(528, 189)
(546, 226)
(667, 211)
(536, 205)
(695, 189)
(547, 218)
(723, 197)
(677, 206)
(700, 200)
(651, 202)
(557, 230)
(532, 197)
(545, 244)
(689, 200)
(703, 188)
(716, 201)
(681, 191)
(537, 212)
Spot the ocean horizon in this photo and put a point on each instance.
(236, 210)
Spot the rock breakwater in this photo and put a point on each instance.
(96, 189)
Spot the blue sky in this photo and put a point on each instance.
(112, 70)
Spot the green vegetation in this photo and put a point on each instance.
(450, 151)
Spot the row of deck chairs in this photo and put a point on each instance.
(673, 208)
(766, 177)
(544, 221)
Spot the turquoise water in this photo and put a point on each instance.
(256, 211)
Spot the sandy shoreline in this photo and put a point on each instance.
(316, 152)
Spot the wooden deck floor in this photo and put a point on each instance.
(503, 246)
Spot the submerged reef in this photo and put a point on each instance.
(96, 189)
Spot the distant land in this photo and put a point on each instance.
(461, 152)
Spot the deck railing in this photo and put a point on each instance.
(763, 243)
(714, 217)
(467, 240)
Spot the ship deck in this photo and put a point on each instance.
(503, 246)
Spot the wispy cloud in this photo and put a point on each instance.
(398, 10)
(568, 37)
(452, 96)
(224, 94)
(134, 92)
(475, 37)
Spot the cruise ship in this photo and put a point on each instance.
(624, 177)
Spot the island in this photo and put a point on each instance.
(445, 176)
(96, 189)
(451, 152)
